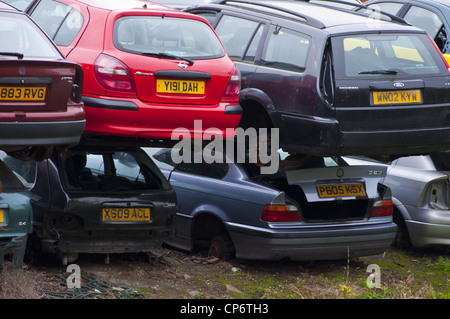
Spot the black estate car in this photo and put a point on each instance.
(97, 199)
(333, 80)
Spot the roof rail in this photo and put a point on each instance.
(309, 20)
(314, 22)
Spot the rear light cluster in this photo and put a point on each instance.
(233, 88)
(113, 74)
(280, 213)
(382, 208)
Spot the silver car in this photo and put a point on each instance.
(316, 209)
(421, 197)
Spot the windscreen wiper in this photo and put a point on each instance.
(168, 56)
(393, 72)
(16, 54)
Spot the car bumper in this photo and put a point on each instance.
(132, 118)
(324, 137)
(106, 242)
(428, 227)
(15, 246)
(41, 133)
(311, 242)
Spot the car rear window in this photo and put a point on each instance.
(378, 55)
(111, 171)
(176, 36)
(19, 35)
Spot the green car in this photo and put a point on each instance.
(15, 216)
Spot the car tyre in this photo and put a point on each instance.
(221, 246)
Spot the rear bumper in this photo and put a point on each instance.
(133, 118)
(15, 246)
(324, 137)
(312, 243)
(106, 242)
(41, 133)
(428, 227)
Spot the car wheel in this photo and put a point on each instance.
(221, 246)
(67, 258)
(402, 239)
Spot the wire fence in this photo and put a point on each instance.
(91, 288)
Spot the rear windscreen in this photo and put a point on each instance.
(386, 55)
(176, 36)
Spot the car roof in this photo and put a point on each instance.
(317, 15)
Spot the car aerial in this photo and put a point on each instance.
(40, 90)
(420, 194)
(151, 70)
(97, 199)
(15, 216)
(431, 16)
(318, 209)
(332, 80)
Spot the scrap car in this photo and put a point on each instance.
(97, 199)
(148, 69)
(40, 90)
(335, 81)
(313, 209)
(16, 216)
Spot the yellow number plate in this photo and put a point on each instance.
(341, 190)
(2, 219)
(181, 87)
(126, 214)
(22, 93)
(396, 97)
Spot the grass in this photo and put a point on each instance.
(412, 274)
(403, 275)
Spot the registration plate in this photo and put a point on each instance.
(2, 219)
(22, 93)
(180, 86)
(126, 214)
(396, 97)
(341, 190)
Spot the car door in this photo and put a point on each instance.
(241, 37)
(421, 15)
(432, 20)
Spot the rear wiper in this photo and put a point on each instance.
(169, 56)
(379, 72)
(18, 55)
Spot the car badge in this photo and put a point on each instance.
(399, 84)
(183, 65)
(340, 172)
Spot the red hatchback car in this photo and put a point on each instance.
(40, 90)
(149, 69)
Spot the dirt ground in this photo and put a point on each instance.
(172, 274)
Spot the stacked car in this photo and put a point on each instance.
(214, 95)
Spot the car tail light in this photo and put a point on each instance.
(438, 195)
(280, 213)
(382, 208)
(77, 87)
(113, 74)
(440, 53)
(234, 84)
